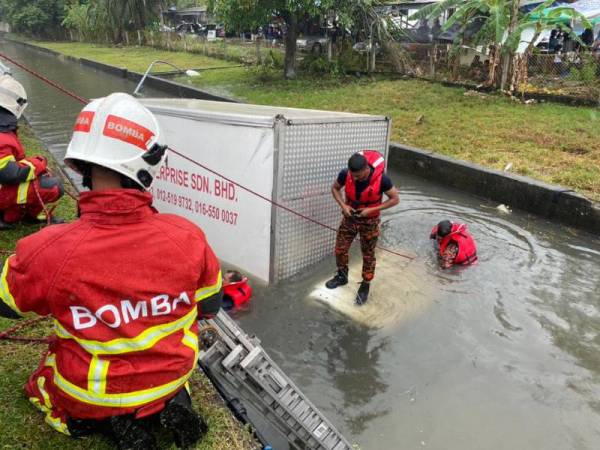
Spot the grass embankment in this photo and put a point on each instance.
(550, 142)
(23, 427)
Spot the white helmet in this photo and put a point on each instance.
(119, 133)
(13, 97)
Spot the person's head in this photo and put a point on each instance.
(443, 229)
(116, 143)
(553, 33)
(358, 167)
(232, 276)
(13, 97)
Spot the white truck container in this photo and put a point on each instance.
(288, 156)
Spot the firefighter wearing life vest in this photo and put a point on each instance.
(25, 185)
(125, 287)
(456, 246)
(365, 184)
(236, 290)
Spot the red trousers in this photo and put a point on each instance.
(19, 201)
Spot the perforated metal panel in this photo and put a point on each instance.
(310, 159)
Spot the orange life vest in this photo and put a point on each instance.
(467, 250)
(239, 292)
(371, 196)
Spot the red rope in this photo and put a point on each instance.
(6, 335)
(278, 205)
(44, 207)
(45, 80)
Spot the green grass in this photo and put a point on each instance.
(550, 142)
(23, 427)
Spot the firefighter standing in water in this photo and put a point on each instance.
(25, 185)
(456, 246)
(364, 183)
(125, 286)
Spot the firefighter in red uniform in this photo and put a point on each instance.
(456, 246)
(125, 286)
(25, 185)
(364, 183)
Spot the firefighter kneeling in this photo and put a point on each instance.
(25, 185)
(125, 286)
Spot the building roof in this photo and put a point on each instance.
(196, 10)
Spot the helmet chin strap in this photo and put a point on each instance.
(86, 172)
(128, 183)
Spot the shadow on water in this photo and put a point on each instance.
(501, 355)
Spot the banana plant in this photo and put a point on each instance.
(502, 26)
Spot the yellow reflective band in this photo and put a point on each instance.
(143, 341)
(97, 375)
(122, 400)
(54, 422)
(22, 193)
(4, 161)
(57, 424)
(209, 291)
(41, 381)
(190, 340)
(31, 175)
(5, 294)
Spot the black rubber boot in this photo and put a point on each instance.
(339, 279)
(84, 427)
(363, 293)
(130, 434)
(180, 418)
(4, 225)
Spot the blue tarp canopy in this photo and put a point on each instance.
(590, 9)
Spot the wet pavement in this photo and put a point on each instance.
(502, 355)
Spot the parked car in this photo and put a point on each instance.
(365, 46)
(316, 45)
(193, 29)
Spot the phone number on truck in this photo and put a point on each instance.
(197, 207)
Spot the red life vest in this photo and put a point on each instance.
(467, 250)
(239, 292)
(371, 196)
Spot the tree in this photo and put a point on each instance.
(96, 17)
(36, 17)
(502, 25)
(240, 15)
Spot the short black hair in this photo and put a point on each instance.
(357, 162)
(235, 276)
(444, 228)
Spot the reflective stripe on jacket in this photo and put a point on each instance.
(125, 286)
(11, 151)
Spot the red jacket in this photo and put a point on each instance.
(125, 286)
(16, 169)
(371, 196)
(467, 250)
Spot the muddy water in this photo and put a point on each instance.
(52, 113)
(502, 355)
